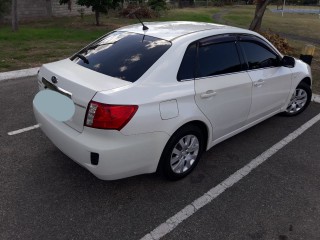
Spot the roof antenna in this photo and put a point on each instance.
(144, 27)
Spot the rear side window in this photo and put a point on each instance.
(188, 64)
(122, 55)
(219, 58)
(259, 56)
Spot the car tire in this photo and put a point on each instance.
(299, 101)
(182, 152)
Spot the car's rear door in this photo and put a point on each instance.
(223, 88)
(271, 81)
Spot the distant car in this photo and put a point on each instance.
(148, 100)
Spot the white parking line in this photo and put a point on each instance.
(23, 130)
(214, 192)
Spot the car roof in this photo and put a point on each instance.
(174, 29)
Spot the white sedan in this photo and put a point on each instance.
(153, 99)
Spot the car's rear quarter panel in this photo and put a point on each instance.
(157, 85)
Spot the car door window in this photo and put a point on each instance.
(187, 67)
(259, 56)
(219, 58)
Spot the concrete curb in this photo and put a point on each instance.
(18, 74)
(315, 98)
(33, 71)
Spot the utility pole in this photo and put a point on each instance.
(14, 15)
(284, 4)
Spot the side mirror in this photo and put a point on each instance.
(287, 61)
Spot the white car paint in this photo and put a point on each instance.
(165, 104)
(231, 99)
(271, 88)
(81, 82)
(122, 155)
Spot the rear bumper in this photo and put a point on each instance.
(120, 156)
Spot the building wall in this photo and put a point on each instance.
(62, 10)
(37, 9)
(28, 9)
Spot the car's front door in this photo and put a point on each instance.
(223, 88)
(271, 82)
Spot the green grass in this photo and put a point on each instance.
(33, 45)
(240, 17)
(54, 33)
(190, 14)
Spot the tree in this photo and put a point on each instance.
(69, 2)
(14, 15)
(157, 5)
(4, 7)
(261, 6)
(97, 6)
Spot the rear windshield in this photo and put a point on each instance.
(122, 55)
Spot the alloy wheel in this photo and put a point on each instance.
(184, 154)
(297, 101)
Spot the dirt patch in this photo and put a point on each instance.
(218, 17)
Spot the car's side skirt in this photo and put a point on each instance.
(215, 142)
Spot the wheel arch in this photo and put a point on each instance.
(306, 80)
(304, 83)
(204, 128)
(202, 125)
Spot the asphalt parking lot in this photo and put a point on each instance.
(45, 195)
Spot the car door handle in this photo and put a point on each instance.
(207, 94)
(258, 83)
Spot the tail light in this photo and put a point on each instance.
(107, 116)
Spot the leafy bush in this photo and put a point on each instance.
(140, 11)
(4, 7)
(157, 5)
(279, 42)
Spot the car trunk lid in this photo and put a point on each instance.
(78, 83)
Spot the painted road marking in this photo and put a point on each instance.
(24, 130)
(214, 192)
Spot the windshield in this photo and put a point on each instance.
(122, 55)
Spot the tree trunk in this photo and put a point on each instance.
(97, 14)
(257, 20)
(14, 16)
(69, 5)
